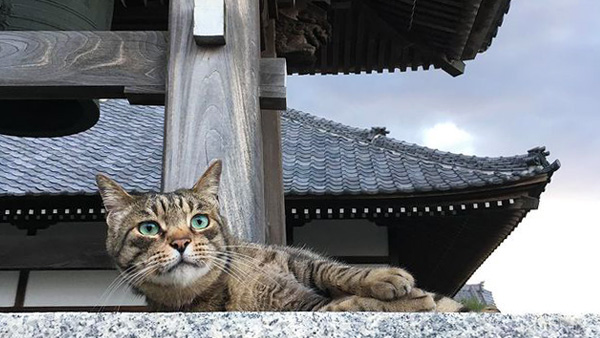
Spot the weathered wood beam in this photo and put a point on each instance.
(273, 172)
(132, 65)
(212, 111)
(209, 22)
(273, 99)
(80, 64)
(273, 73)
(452, 67)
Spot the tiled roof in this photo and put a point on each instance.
(319, 157)
(324, 157)
(126, 143)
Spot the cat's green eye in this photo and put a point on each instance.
(199, 222)
(149, 228)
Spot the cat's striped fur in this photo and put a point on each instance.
(213, 271)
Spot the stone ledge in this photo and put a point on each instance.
(295, 324)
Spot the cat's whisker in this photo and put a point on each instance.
(228, 267)
(117, 278)
(248, 264)
(140, 277)
(238, 275)
(132, 278)
(234, 271)
(123, 279)
(227, 270)
(127, 271)
(114, 285)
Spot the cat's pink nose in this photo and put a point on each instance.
(180, 244)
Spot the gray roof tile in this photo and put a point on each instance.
(319, 157)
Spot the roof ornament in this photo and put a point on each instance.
(377, 132)
(538, 158)
(538, 150)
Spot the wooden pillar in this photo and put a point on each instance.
(273, 171)
(272, 100)
(212, 111)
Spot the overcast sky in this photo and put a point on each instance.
(539, 84)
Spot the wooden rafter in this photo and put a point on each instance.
(439, 58)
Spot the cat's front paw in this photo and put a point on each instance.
(388, 283)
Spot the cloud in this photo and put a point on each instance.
(448, 137)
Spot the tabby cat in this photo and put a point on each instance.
(175, 248)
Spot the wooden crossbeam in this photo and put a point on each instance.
(132, 65)
(272, 90)
(80, 64)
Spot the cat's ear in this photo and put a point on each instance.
(209, 182)
(113, 195)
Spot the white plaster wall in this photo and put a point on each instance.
(77, 288)
(8, 287)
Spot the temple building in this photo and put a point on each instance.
(352, 193)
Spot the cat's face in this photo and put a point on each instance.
(168, 239)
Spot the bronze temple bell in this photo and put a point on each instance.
(51, 117)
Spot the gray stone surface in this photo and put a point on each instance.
(305, 324)
(320, 157)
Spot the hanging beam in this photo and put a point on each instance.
(132, 65)
(212, 111)
(80, 64)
